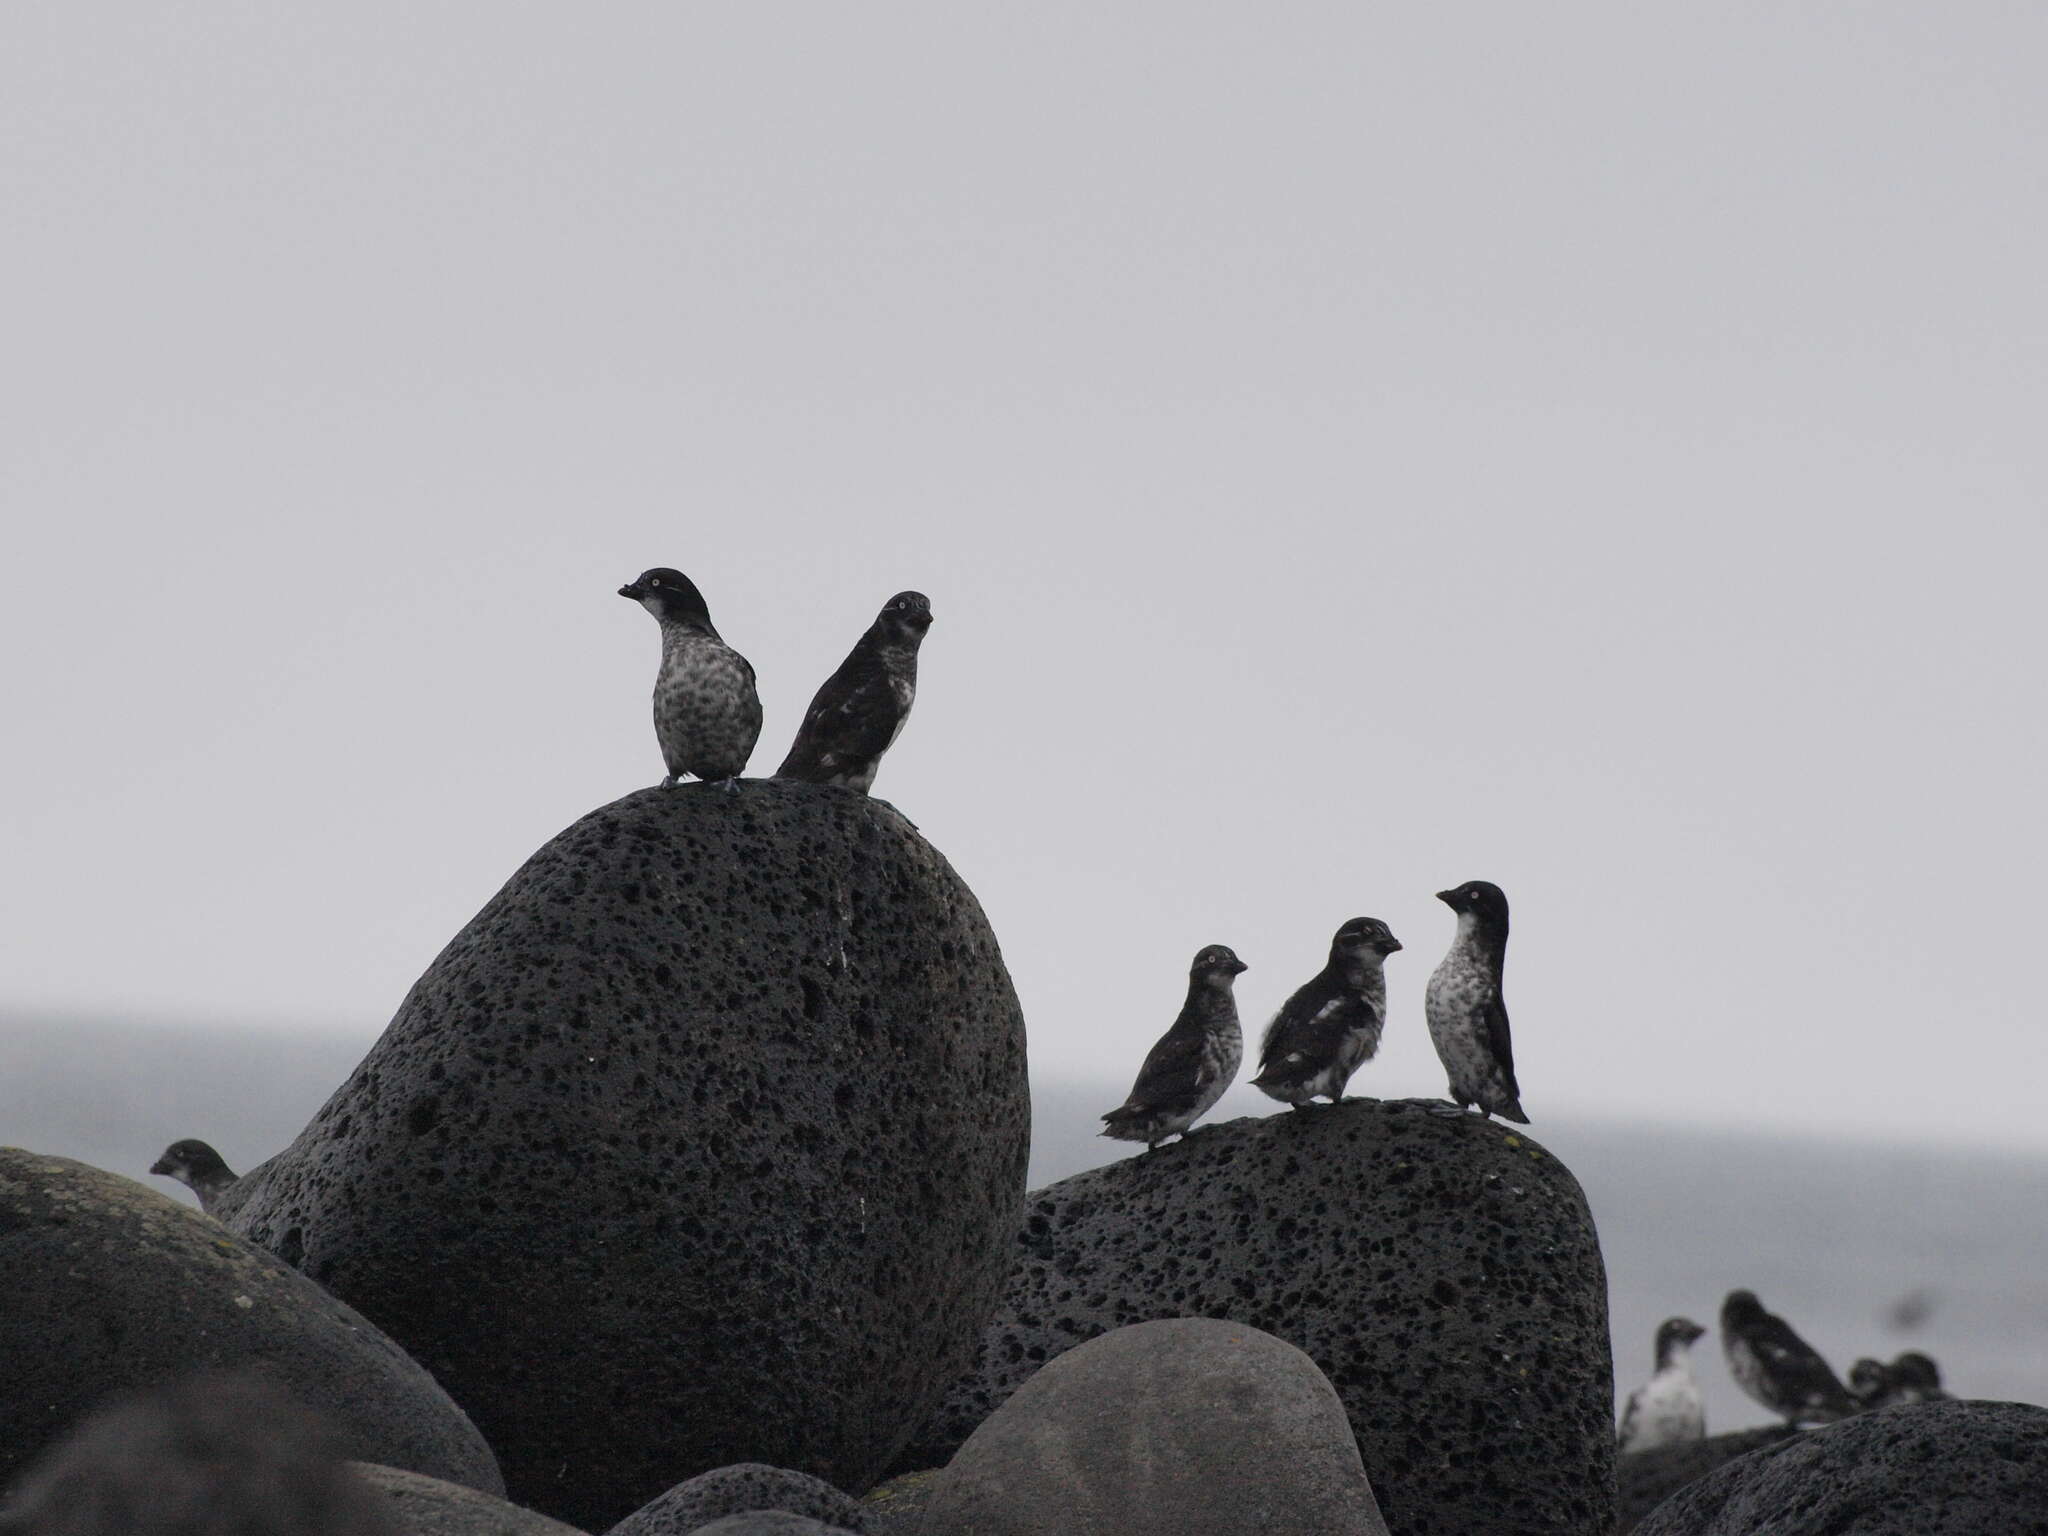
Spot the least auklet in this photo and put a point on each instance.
(1193, 1062)
(1332, 1024)
(1468, 1020)
(707, 714)
(860, 709)
(199, 1168)
(1667, 1409)
(1778, 1368)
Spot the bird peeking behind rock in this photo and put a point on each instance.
(707, 715)
(1332, 1024)
(1778, 1368)
(859, 711)
(1468, 1020)
(1911, 1378)
(1193, 1062)
(199, 1168)
(1668, 1408)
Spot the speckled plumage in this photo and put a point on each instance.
(1776, 1367)
(1332, 1023)
(1667, 1409)
(861, 708)
(199, 1168)
(1194, 1061)
(707, 714)
(1467, 1015)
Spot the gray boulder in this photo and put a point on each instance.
(1645, 1479)
(110, 1286)
(1168, 1427)
(1442, 1270)
(734, 1490)
(769, 1522)
(1927, 1469)
(700, 1144)
(896, 1508)
(426, 1506)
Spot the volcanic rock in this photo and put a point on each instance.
(1922, 1469)
(110, 1286)
(733, 1490)
(426, 1506)
(701, 1143)
(1442, 1270)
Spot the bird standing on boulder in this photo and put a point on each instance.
(707, 715)
(1911, 1378)
(1193, 1062)
(1668, 1408)
(199, 1168)
(859, 712)
(1778, 1368)
(1468, 1020)
(1332, 1024)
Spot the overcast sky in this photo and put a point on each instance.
(1350, 450)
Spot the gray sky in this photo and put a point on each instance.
(1350, 451)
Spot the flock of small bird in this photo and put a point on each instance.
(707, 718)
(1332, 1025)
(1775, 1367)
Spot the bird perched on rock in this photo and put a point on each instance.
(1332, 1024)
(1193, 1062)
(1468, 1020)
(1667, 1409)
(1778, 1368)
(707, 715)
(199, 1168)
(1911, 1378)
(859, 712)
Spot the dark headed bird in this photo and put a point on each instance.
(1468, 1020)
(1332, 1025)
(707, 715)
(1911, 1378)
(859, 712)
(1778, 1368)
(199, 1168)
(1667, 1409)
(1193, 1062)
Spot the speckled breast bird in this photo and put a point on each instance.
(707, 715)
(1667, 1409)
(1332, 1024)
(1778, 1368)
(1194, 1061)
(1468, 1018)
(199, 1168)
(860, 711)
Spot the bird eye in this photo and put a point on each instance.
(654, 581)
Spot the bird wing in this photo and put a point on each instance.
(1312, 1001)
(1497, 1033)
(852, 714)
(1629, 1416)
(1793, 1363)
(1173, 1073)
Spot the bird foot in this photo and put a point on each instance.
(731, 786)
(669, 782)
(1446, 1109)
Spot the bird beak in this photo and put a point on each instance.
(1388, 946)
(161, 1165)
(1445, 897)
(634, 590)
(1239, 968)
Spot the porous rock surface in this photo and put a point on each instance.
(426, 1506)
(1168, 1427)
(1924, 1469)
(1443, 1271)
(1645, 1479)
(733, 1490)
(110, 1287)
(701, 1143)
(896, 1508)
(769, 1522)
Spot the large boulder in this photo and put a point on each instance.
(1167, 1427)
(1645, 1479)
(736, 1490)
(1928, 1469)
(111, 1287)
(1442, 1270)
(426, 1506)
(701, 1144)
